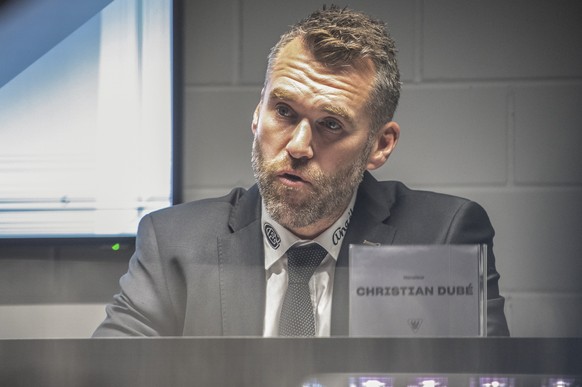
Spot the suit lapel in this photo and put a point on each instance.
(242, 270)
(367, 224)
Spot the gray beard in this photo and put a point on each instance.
(327, 201)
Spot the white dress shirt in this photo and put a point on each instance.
(277, 240)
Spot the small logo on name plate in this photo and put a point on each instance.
(272, 237)
(414, 324)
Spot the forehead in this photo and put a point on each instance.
(298, 72)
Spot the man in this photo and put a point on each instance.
(224, 266)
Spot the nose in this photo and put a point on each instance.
(299, 146)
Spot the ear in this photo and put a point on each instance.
(384, 144)
(255, 122)
(257, 113)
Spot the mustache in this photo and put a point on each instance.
(268, 169)
(301, 166)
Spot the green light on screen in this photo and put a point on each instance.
(115, 247)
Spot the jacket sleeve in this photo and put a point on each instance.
(144, 306)
(472, 225)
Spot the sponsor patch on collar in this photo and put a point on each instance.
(272, 236)
(341, 231)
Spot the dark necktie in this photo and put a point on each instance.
(297, 315)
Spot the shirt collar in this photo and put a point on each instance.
(277, 239)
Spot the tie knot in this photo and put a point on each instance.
(303, 261)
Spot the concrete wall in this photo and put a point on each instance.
(490, 110)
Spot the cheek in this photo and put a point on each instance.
(342, 157)
(331, 160)
(271, 141)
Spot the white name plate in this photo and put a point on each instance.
(424, 291)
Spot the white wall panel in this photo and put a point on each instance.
(548, 134)
(544, 315)
(218, 138)
(209, 41)
(450, 135)
(502, 39)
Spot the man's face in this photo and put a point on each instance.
(311, 139)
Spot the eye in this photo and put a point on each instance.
(284, 110)
(331, 125)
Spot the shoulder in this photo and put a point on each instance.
(402, 196)
(206, 217)
(421, 214)
(223, 204)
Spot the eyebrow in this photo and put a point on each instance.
(338, 111)
(285, 95)
(280, 93)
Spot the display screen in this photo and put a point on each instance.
(86, 116)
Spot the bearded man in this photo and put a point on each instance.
(226, 266)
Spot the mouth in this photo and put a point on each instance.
(292, 179)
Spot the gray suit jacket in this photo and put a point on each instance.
(198, 268)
